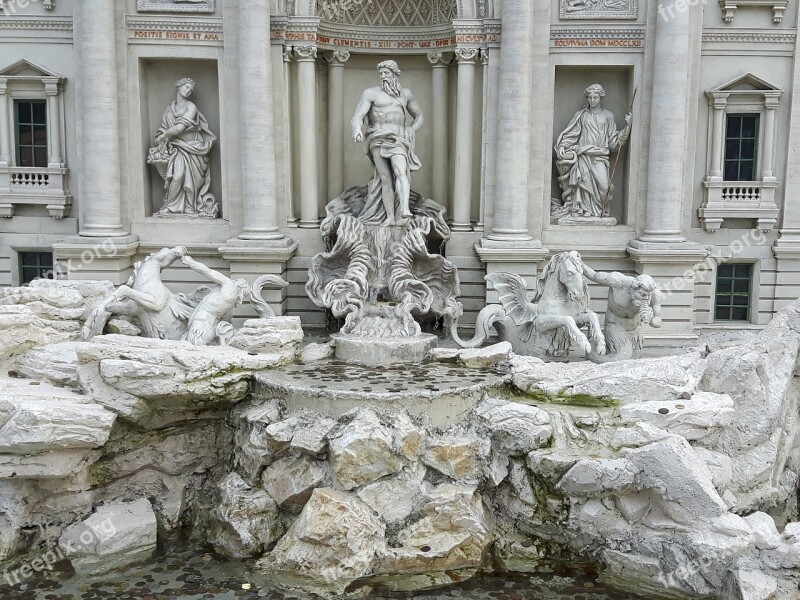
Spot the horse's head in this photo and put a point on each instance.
(569, 269)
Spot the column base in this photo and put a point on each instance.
(787, 252)
(81, 257)
(672, 265)
(249, 259)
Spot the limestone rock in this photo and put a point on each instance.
(395, 497)
(695, 418)
(122, 327)
(23, 329)
(444, 354)
(485, 357)
(331, 544)
(409, 438)
(454, 532)
(246, 521)
(47, 465)
(599, 477)
(311, 436)
(175, 375)
(252, 450)
(292, 479)
(363, 451)
(455, 457)
(516, 429)
(113, 537)
(752, 585)
(666, 379)
(275, 335)
(316, 352)
(54, 363)
(47, 418)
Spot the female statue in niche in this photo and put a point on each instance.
(181, 155)
(583, 152)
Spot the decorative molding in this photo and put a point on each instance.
(305, 53)
(599, 9)
(337, 57)
(46, 23)
(597, 38)
(202, 26)
(387, 13)
(735, 36)
(176, 6)
(437, 59)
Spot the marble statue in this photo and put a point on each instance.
(181, 156)
(583, 159)
(550, 323)
(378, 273)
(380, 121)
(198, 318)
(632, 302)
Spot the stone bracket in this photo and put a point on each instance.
(729, 8)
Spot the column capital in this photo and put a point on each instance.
(336, 58)
(3, 85)
(484, 56)
(439, 59)
(304, 53)
(467, 55)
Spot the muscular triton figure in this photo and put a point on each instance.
(380, 120)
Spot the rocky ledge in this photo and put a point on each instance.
(677, 475)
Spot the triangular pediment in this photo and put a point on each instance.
(747, 83)
(25, 68)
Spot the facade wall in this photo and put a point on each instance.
(154, 49)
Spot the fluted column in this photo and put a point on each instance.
(465, 130)
(517, 62)
(5, 138)
(101, 194)
(440, 64)
(336, 119)
(258, 148)
(55, 158)
(670, 106)
(306, 57)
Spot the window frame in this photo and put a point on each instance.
(21, 254)
(757, 139)
(18, 146)
(752, 307)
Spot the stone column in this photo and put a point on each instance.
(440, 66)
(670, 106)
(101, 192)
(465, 130)
(336, 121)
(5, 138)
(258, 149)
(718, 105)
(767, 158)
(514, 122)
(306, 57)
(55, 159)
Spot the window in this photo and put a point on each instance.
(741, 147)
(35, 264)
(30, 117)
(734, 283)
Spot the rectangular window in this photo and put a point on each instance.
(34, 265)
(734, 284)
(741, 147)
(30, 118)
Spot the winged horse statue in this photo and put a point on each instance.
(550, 323)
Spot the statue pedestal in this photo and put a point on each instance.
(371, 351)
(590, 221)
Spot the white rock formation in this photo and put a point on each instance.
(113, 537)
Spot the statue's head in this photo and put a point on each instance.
(643, 288)
(185, 86)
(243, 287)
(594, 94)
(390, 76)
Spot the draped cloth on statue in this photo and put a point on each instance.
(582, 159)
(390, 144)
(189, 164)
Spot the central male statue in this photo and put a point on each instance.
(380, 119)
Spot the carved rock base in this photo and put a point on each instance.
(590, 221)
(372, 351)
